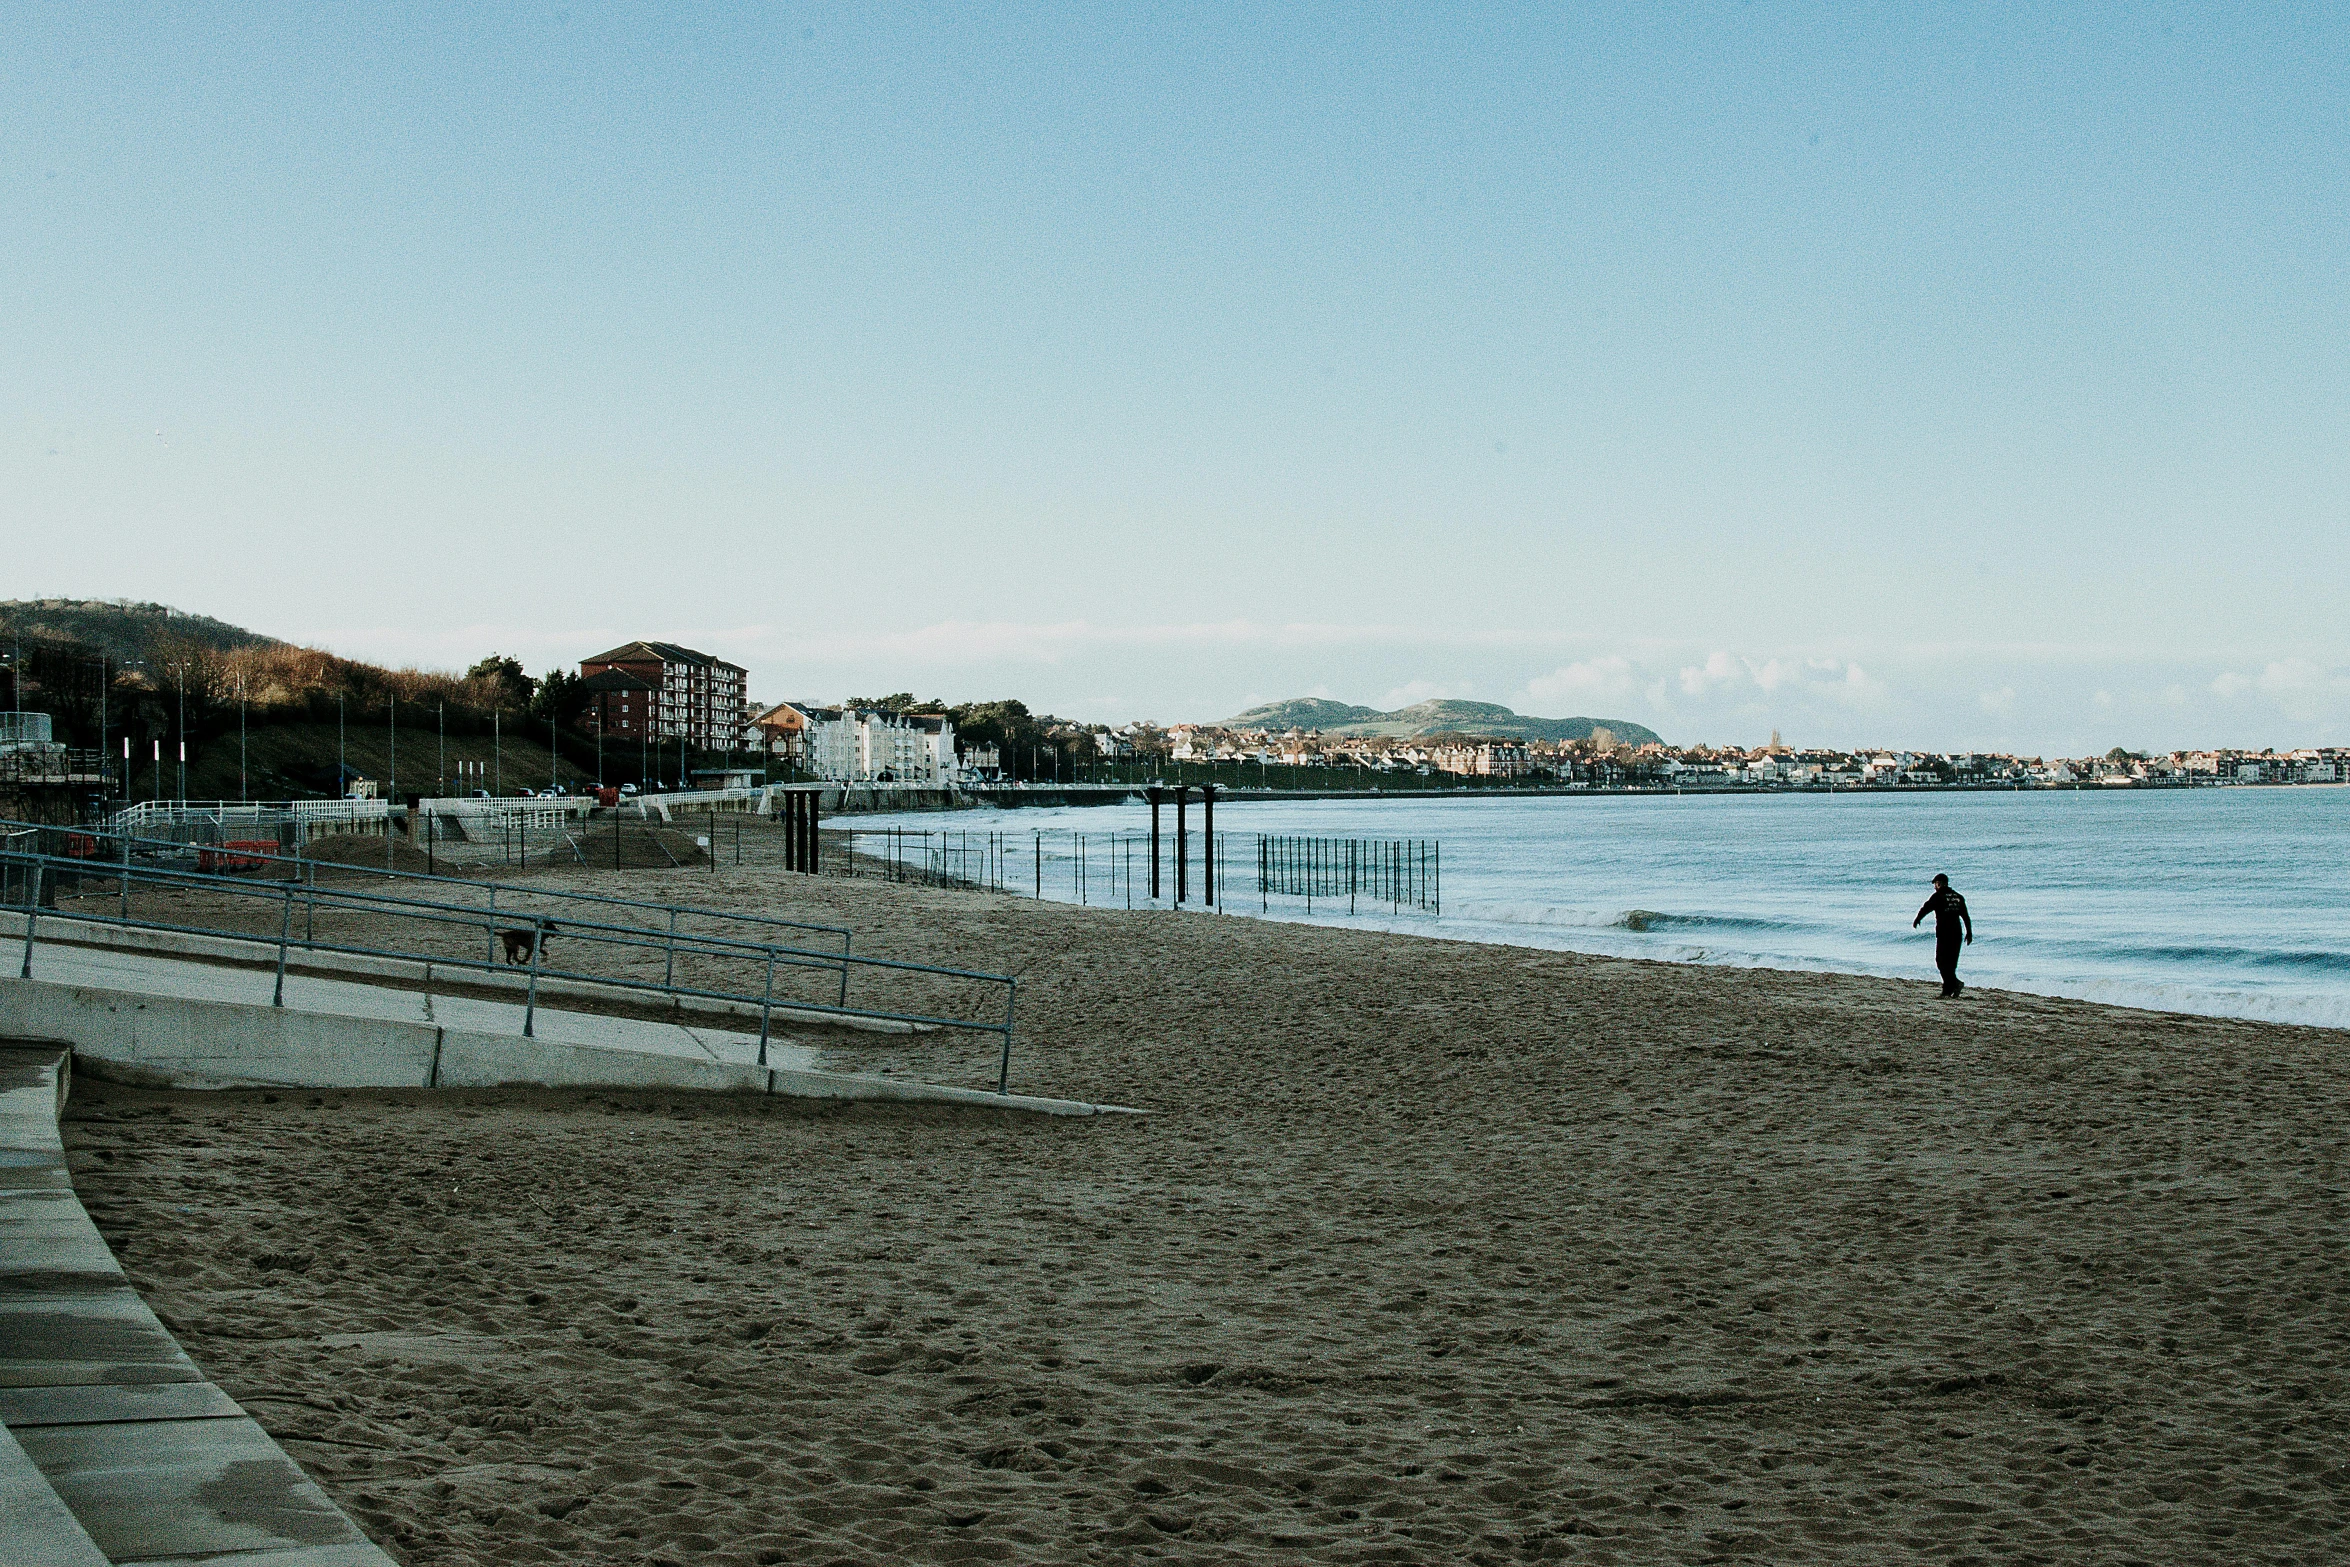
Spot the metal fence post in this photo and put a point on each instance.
(538, 948)
(285, 931)
(1003, 1076)
(767, 1006)
(669, 968)
(32, 913)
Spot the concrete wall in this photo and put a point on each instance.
(169, 1041)
(178, 1042)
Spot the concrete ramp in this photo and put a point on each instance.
(171, 1022)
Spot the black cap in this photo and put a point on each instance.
(1941, 880)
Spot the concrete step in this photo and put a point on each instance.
(116, 1449)
(37, 1529)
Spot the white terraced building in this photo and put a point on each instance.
(863, 744)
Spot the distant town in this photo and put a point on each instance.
(98, 689)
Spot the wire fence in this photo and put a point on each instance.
(1399, 872)
(1115, 869)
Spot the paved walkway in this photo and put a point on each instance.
(116, 1450)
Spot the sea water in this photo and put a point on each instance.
(2229, 902)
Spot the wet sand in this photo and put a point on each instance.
(1430, 1252)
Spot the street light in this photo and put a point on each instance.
(179, 673)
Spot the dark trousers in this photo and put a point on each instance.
(1946, 959)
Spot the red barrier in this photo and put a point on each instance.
(238, 854)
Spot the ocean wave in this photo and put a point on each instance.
(2198, 1000)
(2289, 960)
(1639, 921)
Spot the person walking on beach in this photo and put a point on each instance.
(1950, 918)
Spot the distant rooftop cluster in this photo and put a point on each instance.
(1601, 760)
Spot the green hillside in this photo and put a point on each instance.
(124, 631)
(1302, 712)
(1440, 716)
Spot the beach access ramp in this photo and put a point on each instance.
(175, 977)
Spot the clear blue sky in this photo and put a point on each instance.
(1950, 376)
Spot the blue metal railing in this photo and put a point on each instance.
(35, 880)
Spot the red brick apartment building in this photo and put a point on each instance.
(658, 690)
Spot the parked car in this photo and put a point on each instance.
(628, 788)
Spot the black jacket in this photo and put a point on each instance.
(1950, 915)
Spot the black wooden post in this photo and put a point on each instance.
(1182, 843)
(1153, 792)
(1207, 832)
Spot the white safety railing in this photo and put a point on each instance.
(662, 805)
(160, 813)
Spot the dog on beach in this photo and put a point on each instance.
(522, 945)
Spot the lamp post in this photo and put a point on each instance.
(179, 677)
(342, 785)
(242, 794)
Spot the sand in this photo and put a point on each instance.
(1430, 1252)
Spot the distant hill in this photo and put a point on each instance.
(126, 632)
(1303, 712)
(1440, 716)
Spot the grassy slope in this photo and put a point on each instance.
(122, 631)
(273, 748)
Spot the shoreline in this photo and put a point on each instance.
(2118, 994)
(2090, 904)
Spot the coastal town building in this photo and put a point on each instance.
(860, 744)
(686, 694)
(1484, 759)
(620, 705)
(781, 731)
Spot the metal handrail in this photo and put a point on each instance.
(494, 887)
(44, 867)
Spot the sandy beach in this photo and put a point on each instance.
(1428, 1252)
